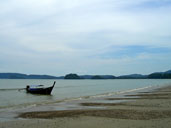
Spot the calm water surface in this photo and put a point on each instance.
(10, 96)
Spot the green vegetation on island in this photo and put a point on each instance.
(72, 76)
(156, 75)
(96, 77)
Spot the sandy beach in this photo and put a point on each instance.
(141, 110)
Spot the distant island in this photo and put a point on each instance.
(155, 75)
(25, 76)
(72, 76)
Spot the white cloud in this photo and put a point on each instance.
(74, 31)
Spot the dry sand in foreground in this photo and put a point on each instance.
(151, 109)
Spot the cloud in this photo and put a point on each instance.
(84, 36)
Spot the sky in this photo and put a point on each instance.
(58, 37)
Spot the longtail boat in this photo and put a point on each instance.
(39, 89)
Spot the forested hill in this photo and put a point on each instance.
(156, 75)
(25, 76)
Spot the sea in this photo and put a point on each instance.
(13, 94)
(67, 94)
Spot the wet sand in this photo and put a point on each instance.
(144, 110)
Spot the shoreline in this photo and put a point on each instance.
(70, 92)
(143, 109)
(89, 97)
(11, 113)
(155, 95)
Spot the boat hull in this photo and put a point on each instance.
(43, 91)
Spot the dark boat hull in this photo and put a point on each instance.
(43, 91)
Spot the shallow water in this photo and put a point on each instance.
(11, 96)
